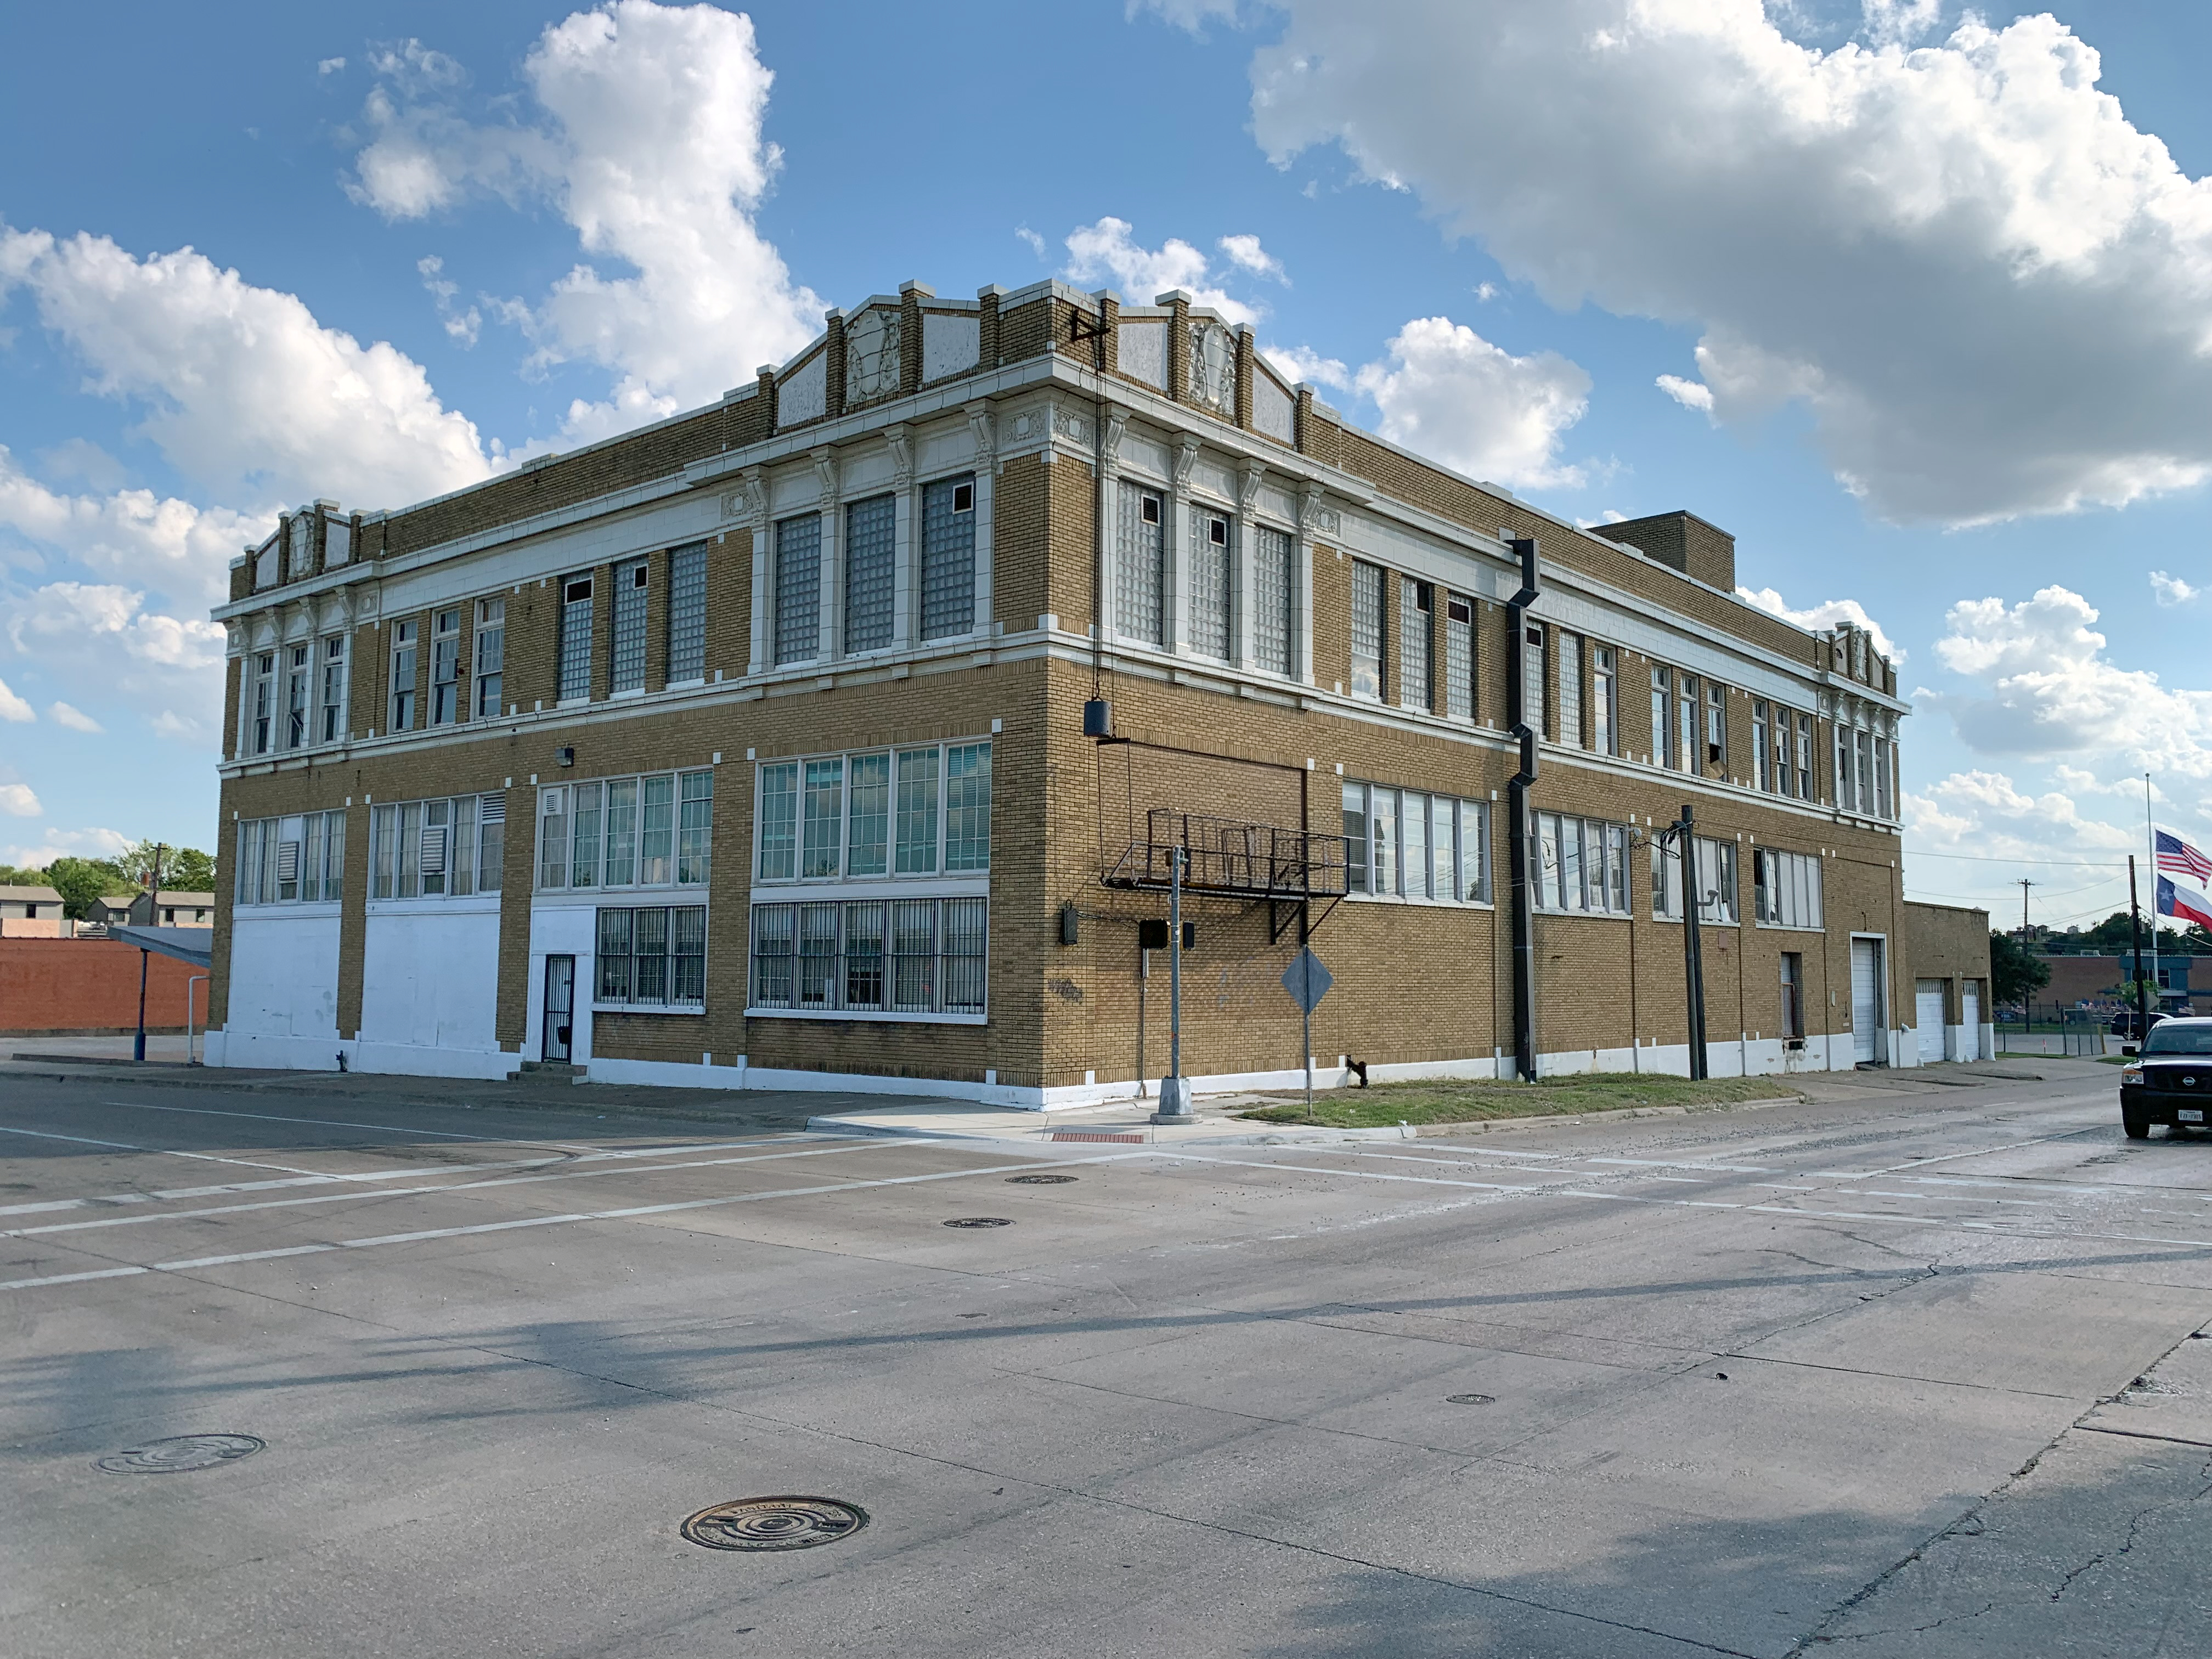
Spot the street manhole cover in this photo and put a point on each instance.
(775, 1523)
(180, 1452)
(1039, 1180)
(979, 1221)
(1470, 1400)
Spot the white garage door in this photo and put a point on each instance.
(1928, 1015)
(1970, 1002)
(1866, 999)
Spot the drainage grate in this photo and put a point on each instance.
(1039, 1180)
(1470, 1400)
(979, 1221)
(1094, 1136)
(775, 1523)
(179, 1453)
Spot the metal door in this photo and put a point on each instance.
(560, 1006)
(1969, 1016)
(1866, 1011)
(1928, 1015)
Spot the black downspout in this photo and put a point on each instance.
(1528, 729)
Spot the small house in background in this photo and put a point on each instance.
(167, 908)
(31, 913)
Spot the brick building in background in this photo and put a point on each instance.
(749, 748)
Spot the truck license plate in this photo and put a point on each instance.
(2190, 1115)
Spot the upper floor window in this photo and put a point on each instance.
(402, 675)
(1406, 843)
(948, 558)
(1140, 565)
(1213, 566)
(488, 659)
(1535, 678)
(574, 683)
(626, 665)
(334, 689)
(1417, 607)
(449, 847)
(445, 667)
(1274, 599)
(687, 614)
(298, 694)
(798, 588)
(261, 719)
(1581, 865)
(1716, 727)
(656, 830)
(870, 573)
(1605, 700)
(294, 861)
(895, 813)
(1459, 701)
(1786, 888)
(1687, 719)
(1570, 689)
(1366, 630)
(1663, 717)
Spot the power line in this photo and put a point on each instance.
(1982, 858)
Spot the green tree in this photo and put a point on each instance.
(81, 881)
(188, 870)
(15, 875)
(2015, 973)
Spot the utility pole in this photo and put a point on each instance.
(153, 914)
(2024, 886)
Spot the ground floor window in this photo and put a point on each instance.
(907, 956)
(653, 955)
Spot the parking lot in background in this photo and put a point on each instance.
(1902, 1371)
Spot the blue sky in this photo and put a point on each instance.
(1950, 277)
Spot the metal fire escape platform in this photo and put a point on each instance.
(1226, 858)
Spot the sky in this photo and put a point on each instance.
(1915, 300)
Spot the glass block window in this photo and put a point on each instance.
(654, 956)
(1534, 679)
(798, 588)
(1141, 564)
(926, 956)
(626, 670)
(687, 614)
(1459, 656)
(948, 558)
(968, 807)
(575, 681)
(868, 849)
(1417, 605)
(871, 535)
(1274, 599)
(1366, 630)
(823, 821)
(917, 811)
(1212, 556)
(1570, 689)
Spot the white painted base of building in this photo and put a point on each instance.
(1743, 1057)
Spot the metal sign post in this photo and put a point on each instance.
(1307, 982)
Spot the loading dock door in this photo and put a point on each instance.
(1970, 1001)
(1866, 1001)
(1928, 1015)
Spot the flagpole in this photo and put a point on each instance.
(2150, 832)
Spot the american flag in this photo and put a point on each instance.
(2177, 857)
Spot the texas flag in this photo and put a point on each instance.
(2184, 903)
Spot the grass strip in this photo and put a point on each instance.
(1387, 1104)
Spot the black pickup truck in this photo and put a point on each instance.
(2168, 1078)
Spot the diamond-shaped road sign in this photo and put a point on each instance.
(1307, 981)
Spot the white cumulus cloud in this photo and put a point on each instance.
(1444, 390)
(18, 800)
(67, 843)
(1916, 245)
(2171, 590)
(13, 708)
(1828, 614)
(1108, 251)
(68, 714)
(644, 126)
(1691, 394)
(1246, 254)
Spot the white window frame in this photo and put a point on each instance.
(688, 787)
(1786, 890)
(1380, 803)
(936, 880)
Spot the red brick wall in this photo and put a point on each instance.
(57, 986)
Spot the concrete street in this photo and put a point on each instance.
(1905, 1369)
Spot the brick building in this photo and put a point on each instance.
(750, 747)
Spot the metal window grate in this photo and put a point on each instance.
(1140, 567)
(871, 538)
(626, 669)
(948, 558)
(798, 588)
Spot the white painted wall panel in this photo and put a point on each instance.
(284, 971)
(430, 975)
